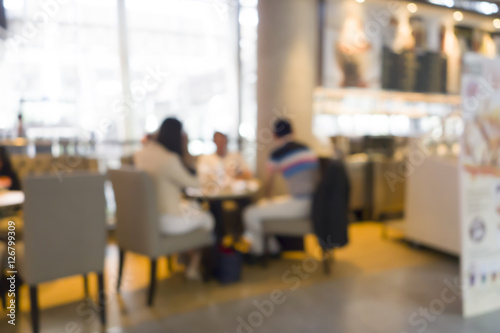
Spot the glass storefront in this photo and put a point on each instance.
(73, 73)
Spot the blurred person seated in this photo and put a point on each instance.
(299, 165)
(222, 168)
(8, 177)
(167, 160)
(222, 163)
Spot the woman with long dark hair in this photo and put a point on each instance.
(166, 160)
(174, 139)
(8, 177)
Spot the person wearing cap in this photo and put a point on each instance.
(299, 166)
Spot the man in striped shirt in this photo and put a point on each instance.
(299, 166)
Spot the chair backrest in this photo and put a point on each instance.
(45, 164)
(137, 218)
(65, 226)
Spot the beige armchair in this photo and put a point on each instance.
(64, 232)
(138, 223)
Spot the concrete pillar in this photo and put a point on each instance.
(287, 59)
(127, 127)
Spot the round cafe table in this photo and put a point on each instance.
(8, 201)
(11, 199)
(240, 191)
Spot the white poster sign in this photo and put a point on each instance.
(480, 185)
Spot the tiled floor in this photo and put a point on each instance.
(377, 285)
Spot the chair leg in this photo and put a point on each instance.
(121, 261)
(86, 285)
(3, 290)
(19, 283)
(101, 298)
(152, 282)
(265, 257)
(384, 230)
(170, 264)
(326, 266)
(326, 260)
(35, 312)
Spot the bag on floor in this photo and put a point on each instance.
(228, 266)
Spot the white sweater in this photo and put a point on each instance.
(168, 173)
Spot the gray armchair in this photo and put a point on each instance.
(138, 223)
(64, 233)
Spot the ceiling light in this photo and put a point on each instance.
(458, 16)
(496, 23)
(412, 8)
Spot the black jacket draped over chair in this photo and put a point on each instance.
(330, 206)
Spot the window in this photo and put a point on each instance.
(192, 44)
(59, 67)
(65, 64)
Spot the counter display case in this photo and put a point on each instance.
(432, 215)
(358, 112)
(378, 126)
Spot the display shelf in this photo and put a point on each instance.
(366, 101)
